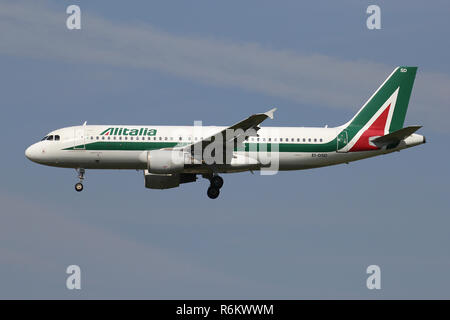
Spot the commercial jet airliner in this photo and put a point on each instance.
(173, 155)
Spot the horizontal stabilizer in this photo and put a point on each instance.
(395, 137)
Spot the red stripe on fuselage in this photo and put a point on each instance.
(375, 130)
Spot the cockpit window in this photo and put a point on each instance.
(52, 138)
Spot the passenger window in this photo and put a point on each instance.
(320, 139)
(292, 139)
(281, 139)
(315, 140)
(309, 140)
(131, 138)
(304, 140)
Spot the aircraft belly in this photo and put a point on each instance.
(303, 160)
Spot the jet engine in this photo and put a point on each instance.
(165, 161)
(167, 181)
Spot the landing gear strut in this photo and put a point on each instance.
(216, 182)
(79, 185)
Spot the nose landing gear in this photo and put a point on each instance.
(216, 182)
(79, 185)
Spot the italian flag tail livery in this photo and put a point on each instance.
(382, 114)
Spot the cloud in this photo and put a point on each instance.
(37, 31)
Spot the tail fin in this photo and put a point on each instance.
(386, 109)
(382, 114)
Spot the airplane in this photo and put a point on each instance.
(173, 155)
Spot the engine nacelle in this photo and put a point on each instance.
(167, 181)
(165, 161)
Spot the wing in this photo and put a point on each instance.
(230, 135)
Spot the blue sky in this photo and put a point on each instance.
(305, 234)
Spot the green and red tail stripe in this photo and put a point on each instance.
(383, 113)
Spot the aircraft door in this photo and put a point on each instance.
(79, 138)
(342, 141)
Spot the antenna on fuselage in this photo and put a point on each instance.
(84, 124)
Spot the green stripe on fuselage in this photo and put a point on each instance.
(143, 146)
(124, 146)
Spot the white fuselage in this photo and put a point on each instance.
(296, 148)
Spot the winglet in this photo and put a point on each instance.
(270, 113)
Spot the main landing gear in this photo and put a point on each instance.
(216, 182)
(79, 185)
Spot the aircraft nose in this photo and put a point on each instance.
(32, 153)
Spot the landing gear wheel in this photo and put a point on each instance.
(79, 187)
(213, 193)
(217, 182)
